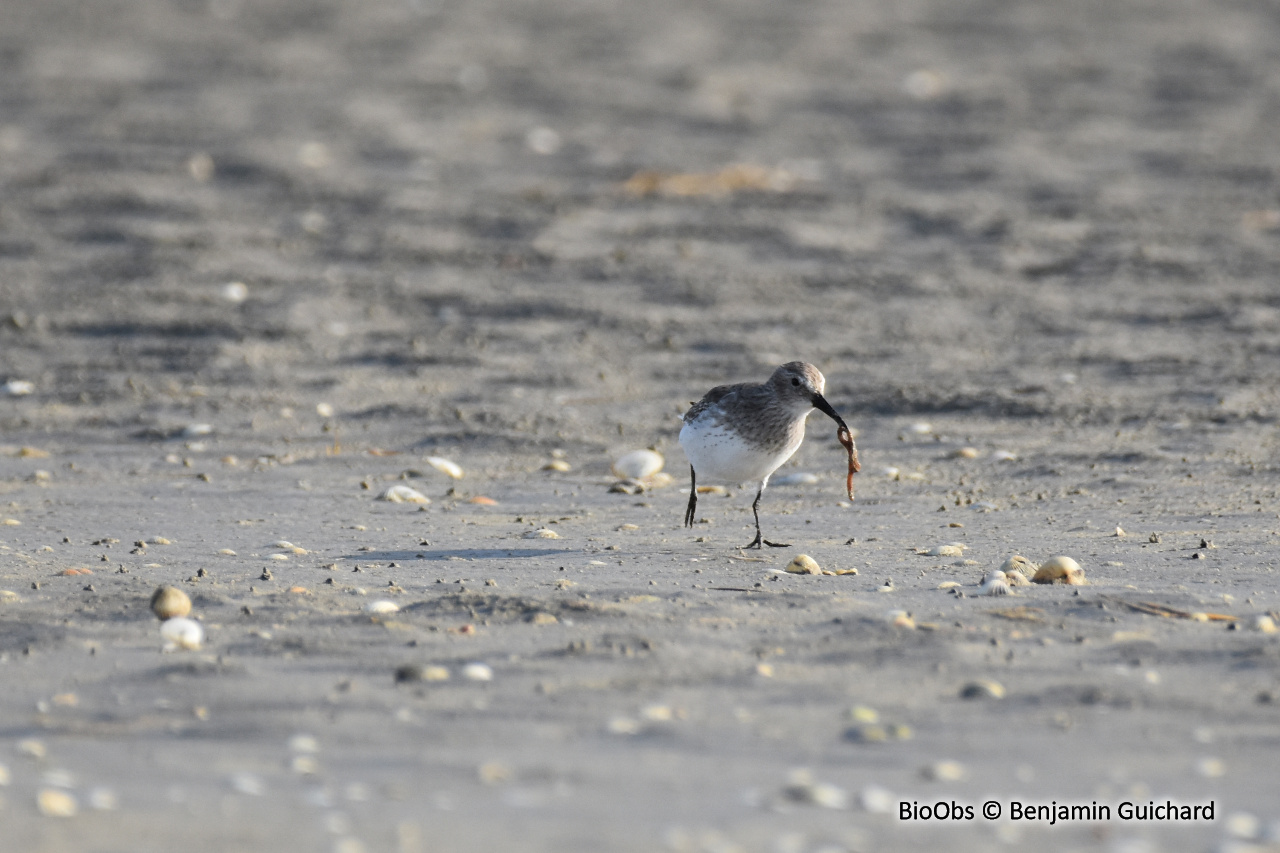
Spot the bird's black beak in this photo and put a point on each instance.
(820, 403)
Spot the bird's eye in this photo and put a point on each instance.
(795, 381)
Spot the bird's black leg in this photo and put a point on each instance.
(760, 540)
(693, 498)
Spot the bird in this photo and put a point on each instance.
(743, 433)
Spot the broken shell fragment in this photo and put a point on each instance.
(181, 633)
(900, 619)
(477, 672)
(54, 803)
(994, 584)
(557, 465)
(169, 602)
(542, 533)
(1060, 570)
(1265, 624)
(638, 464)
(381, 606)
(402, 494)
(965, 453)
(444, 466)
(803, 564)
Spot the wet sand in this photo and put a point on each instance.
(503, 235)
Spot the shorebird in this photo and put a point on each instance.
(743, 433)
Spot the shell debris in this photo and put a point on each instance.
(181, 633)
(541, 533)
(965, 453)
(381, 606)
(1062, 570)
(169, 602)
(402, 494)
(8, 596)
(444, 466)
(900, 619)
(803, 564)
(421, 672)
(558, 465)
(1265, 624)
(477, 672)
(802, 788)
(982, 689)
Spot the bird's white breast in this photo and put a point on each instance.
(721, 455)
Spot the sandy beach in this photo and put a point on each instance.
(262, 262)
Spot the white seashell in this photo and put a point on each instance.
(181, 633)
(1265, 624)
(248, 784)
(542, 533)
(965, 453)
(235, 292)
(444, 466)
(1004, 456)
(995, 584)
(402, 494)
(638, 464)
(1019, 563)
(324, 410)
(921, 428)
(304, 744)
(196, 430)
(877, 800)
(952, 549)
(382, 606)
(558, 465)
(17, 387)
(800, 478)
(54, 803)
(891, 472)
(285, 543)
(900, 619)
(477, 672)
(8, 596)
(1060, 570)
(103, 800)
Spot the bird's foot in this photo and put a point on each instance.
(755, 543)
(776, 544)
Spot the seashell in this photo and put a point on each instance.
(8, 596)
(542, 618)
(982, 689)
(196, 430)
(627, 487)
(419, 672)
(11, 522)
(803, 564)
(900, 619)
(659, 480)
(324, 410)
(638, 464)
(1016, 578)
(952, 549)
(1059, 570)
(712, 490)
(799, 478)
(181, 633)
(382, 605)
(54, 803)
(801, 788)
(877, 800)
(1265, 624)
(557, 465)
(994, 584)
(658, 713)
(17, 388)
(169, 602)
(887, 586)
(965, 453)
(304, 744)
(1019, 563)
(863, 714)
(444, 466)
(477, 672)
(402, 494)
(920, 428)
(226, 552)
(541, 533)
(481, 500)
(1004, 456)
(948, 585)
(944, 771)
(236, 291)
